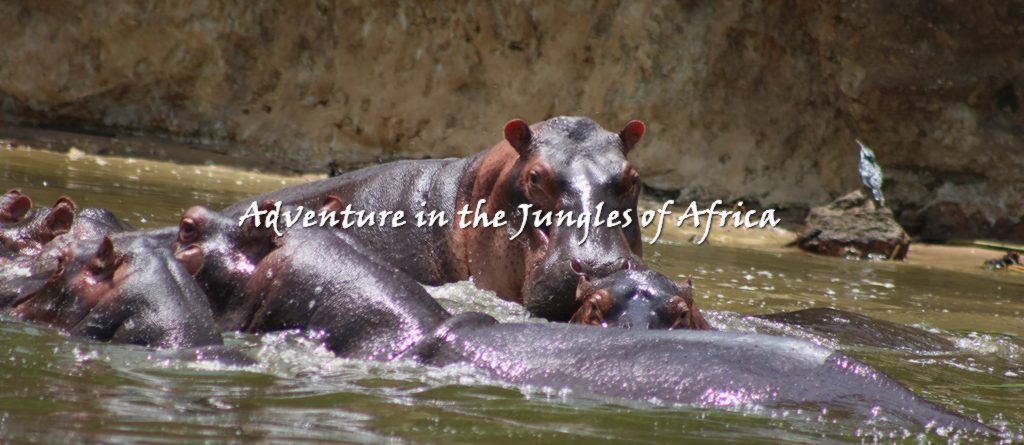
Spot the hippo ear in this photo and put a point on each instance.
(593, 308)
(518, 135)
(583, 288)
(61, 217)
(14, 206)
(249, 225)
(267, 205)
(66, 201)
(20, 206)
(264, 233)
(631, 134)
(191, 257)
(686, 286)
(682, 310)
(105, 258)
(332, 203)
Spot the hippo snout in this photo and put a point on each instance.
(595, 269)
(637, 298)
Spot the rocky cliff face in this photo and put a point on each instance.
(758, 101)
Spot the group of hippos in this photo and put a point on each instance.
(88, 273)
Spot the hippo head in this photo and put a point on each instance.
(100, 288)
(228, 254)
(571, 164)
(61, 285)
(33, 230)
(13, 206)
(638, 299)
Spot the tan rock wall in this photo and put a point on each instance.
(745, 100)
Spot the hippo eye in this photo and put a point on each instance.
(534, 177)
(187, 230)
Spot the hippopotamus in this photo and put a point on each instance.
(28, 233)
(639, 298)
(13, 206)
(124, 288)
(236, 259)
(63, 222)
(859, 329)
(364, 308)
(567, 164)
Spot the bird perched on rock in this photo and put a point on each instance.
(871, 173)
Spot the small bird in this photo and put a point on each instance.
(871, 173)
(334, 169)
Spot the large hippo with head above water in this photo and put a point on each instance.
(366, 309)
(561, 164)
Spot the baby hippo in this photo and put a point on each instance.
(637, 298)
(126, 288)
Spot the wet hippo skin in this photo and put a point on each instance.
(126, 289)
(564, 163)
(367, 309)
(858, 329)
(61, 223)
(53, 227)
(28, 233)
(13, 206)
(249, 277)
(637, 298)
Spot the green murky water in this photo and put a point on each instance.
(55, 389)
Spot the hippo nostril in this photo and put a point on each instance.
(576, 266)
(598, 269)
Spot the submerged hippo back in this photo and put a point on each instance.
(423, 252)
(708, 369)
(317, 280)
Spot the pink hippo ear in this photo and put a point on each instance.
(263, 235)
(14, 206)
(332, 203)
(584, 288)
(191, 257)
(66, 201)
(60, 218)
(105, 259)
(267, 205)
(517, 133)
(631, 134)
(686, 286)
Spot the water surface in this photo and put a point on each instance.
(56, 389)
